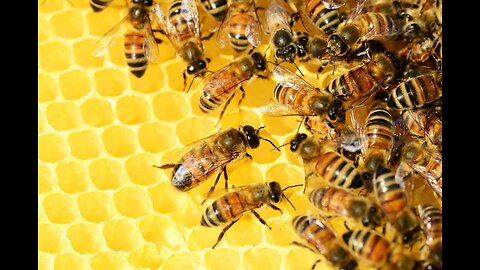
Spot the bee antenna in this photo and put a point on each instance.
(275, 147)
(278, 147)
(283, 195)
(298, 68)
(334, 60)
(265, 53)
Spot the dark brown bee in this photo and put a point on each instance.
(340, 202)
(221, 86)
(213, 154)
(321, 239)
(99, 5)
(140, 45)
(230, 207)
(431, 218)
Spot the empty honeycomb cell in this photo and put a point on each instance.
(70, 261)
(52, 148)
(63, 115)
(156, 137)
(140, 169)
(85, 144)
(96, 206)
(266, 153)
(85, 238)
(242, 173)
(131, 202)
(54, 56)
(166, 50)
(303, 258)
(100, 23)
(183, 260)
(292, 157)
(79, 4)
(202, 238)
(286, 174)
(68, 24)
(42, 122)
(132, 110)
(152, 81)
(262, 258)
(165, 198)
(170, 106)
(110, 82)
(109, 260)
(107, 173)
(47, 6)
(280, 234)
(121, 235)
(97, 112)
(47, 88)
(258, 92)
(193, 129)
(221, 258)
(60, 208)
(188, 215)
(44, 261)
(43, 28)
(119, 141)
(281, 125)
(72, 176)
(146, 256)
(83, 54)
(174, 72)
(161, 231)
(246, 231)
(74, 84)
(51, 238)
(240, 118)
(46, 180)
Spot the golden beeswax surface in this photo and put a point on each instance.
(101, 202)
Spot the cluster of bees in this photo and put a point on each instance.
(372, 135)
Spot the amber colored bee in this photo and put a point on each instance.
(416, 92)
(230, 207)
(221, 86)
(415, 121)
(431, 221)
(368, 245)
(213, 154)
(140, 45)
(330, 166)
(182, 27)
(321, 239)
(240, 27)
(217, 8)
(340, 202)
(99, 5)
(324, 20)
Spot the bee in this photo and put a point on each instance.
(433, 132)
(341, 202)
(221, 86)
(140, 44)
(416, 92)
(217, 8)
(182, 27)
(431, 220)
(415, 121)
(278, 21)
(295, 96)
(213, 154)
(240, 27)
(368, 245)
(321, 239)
(392, 198)
(230, 207)
(330, 166)
(99, 5)
(324, 20)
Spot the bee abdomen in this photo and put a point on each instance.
(217, 8)
(337, 170)
(99, 5)
(390, 194)
(134, 53)
(368, 245)
(415, 93)
(224, 209)
(325, 19)
(330, 199)
(238, 29)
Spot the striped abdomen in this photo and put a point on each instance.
(390, 195)
(178, 19)
(353, 83)
(377, 25)
(217, 8)
(368, 245)
(230, 207)
(415, 121)
(337, 170)
(237, 31)
(134, 53)
(298, 100)
(415, 93)
(99, 5)
(431, 217)
(319, 236)
(327, 20)
(379, 133)
(331, 199)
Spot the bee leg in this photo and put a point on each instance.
(165, 166)
(184, 80)
(223, 232)
(261, 219)
(276, 208)
(262, 76)
(248, 156)
(214, 184)
(208, 37)
(225, 176)
(315, 264)
(242, 97)
(225, 107)
(303, 246)
(346, 226)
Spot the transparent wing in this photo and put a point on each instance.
(108, 39)
(217, 193)
(288, 78)
(358, 127)
(190, 14)
(334, 4)
(253, 32)
(398, 27)
(276, 16)
(223, 30)
(150, 47)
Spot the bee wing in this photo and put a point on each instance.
(358, 126)
(374, 34)
(334, 4)
(288, 78)
(310, 26)
(348, 141)
(108, 39)
(217, 193)
(276, 16)
(253, 32)
(357, 10)
(223, 30)
(190, 13)
(150, 46)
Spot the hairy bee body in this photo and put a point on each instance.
(415, 92)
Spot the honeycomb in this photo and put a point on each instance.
(101, 203)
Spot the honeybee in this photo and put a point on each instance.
(140, 45)
(99, 5)
(230, 207)
(368, 245)
(392, 197)
(182, 28)
(328, 165)
(433, 132)
(416, 92)
(278, 21)
(212, 154)
(341, 202)
(240, 27)
(324, 20)
(322, 239)
(217, 8)
(431, 220)
(415, 121)
(221, 86)
(295, 96)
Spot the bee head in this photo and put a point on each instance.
(251, 134)
(282, 38)
(260, 62)
(197, 67)
(336, 111)
(295, 142)
(276, 192)
(337, 45)
(373, 218)
(138, 12)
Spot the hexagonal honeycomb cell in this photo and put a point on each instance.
(101, 131)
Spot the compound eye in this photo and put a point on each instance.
(276, 191)
(252, 137)
(191, 69)
(296, 141)
(201, 64)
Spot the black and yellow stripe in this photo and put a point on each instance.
(390, 195)
(368, 245)
(134, 53)
(415, 93)
(327, 20)
(99, 5)
(337, 170)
